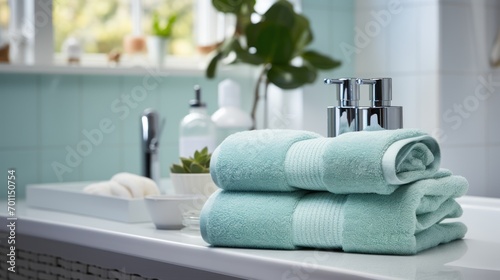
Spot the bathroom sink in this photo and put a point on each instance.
(482, 217)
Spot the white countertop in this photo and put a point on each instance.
(477, 256)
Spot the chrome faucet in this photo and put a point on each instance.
(151, 129)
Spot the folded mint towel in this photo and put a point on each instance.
(360, 162)
(405, 222)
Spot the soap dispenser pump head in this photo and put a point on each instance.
(380, 91)
(197, 101)
(348, 91)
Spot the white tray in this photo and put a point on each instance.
(69, 197)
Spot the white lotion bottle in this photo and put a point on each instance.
(196, 129)
(230, 118)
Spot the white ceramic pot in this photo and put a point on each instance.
(156, 49)
(167, 211)
(201, 184)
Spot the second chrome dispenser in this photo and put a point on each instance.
(348, 116)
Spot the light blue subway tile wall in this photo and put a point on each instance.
(27, 169)
(55, 165)
(61, 127)
(138, 93)
(60, 108)
(102, 163)
(131, 158)
(19, 111)
(19, 121)
(99, 93)
(89, 126)
(168, 155)
(175, 94)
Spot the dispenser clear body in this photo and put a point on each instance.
(196, 130)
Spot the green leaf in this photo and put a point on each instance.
(320, 61)
(232, 6)
(227, 6)
(280, 13)
(290, 77)
(272, 42)
(301, 34)
(186, 161)
(204, 159)
(246, 57)
(175, 168)
(197, 168)
(224, 50)
(212, 66)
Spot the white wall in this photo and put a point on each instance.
(437, 54)
(470, 92)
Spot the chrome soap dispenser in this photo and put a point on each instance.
(348, 116)
(343, 118)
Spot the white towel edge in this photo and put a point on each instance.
(389, 159)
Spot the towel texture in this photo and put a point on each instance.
(254, 160)
(405, 222)
(361, 162)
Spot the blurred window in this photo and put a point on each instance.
(101, 25)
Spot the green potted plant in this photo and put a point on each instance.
(273, 43)
(161, 31)
(192, 175)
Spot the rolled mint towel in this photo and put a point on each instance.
(360, 162)
(405, 222)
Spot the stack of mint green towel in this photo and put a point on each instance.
(368, 192)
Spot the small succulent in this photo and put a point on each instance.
(199, 163)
